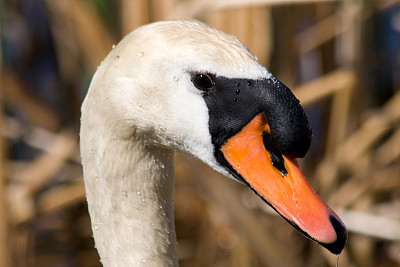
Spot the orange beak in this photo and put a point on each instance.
(289, 194)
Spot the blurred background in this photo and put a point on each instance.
(340, 58)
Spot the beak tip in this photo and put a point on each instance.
(337, 246)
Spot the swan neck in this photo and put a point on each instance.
(129, 189)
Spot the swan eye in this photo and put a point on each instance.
(202, 81)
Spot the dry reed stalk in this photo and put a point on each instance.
(61, 197)
(163, 9)
(389, 152)
(134, 14)
(238, 23)
(339, 25)
(42, 139)
(347, 54)
(249, 25)
(261, 34)
(358, 143)
(239, 3)
(365, 183)
(338, 118)
(37, 174)
(41, 169)
(340, 109)
(4, 240)
(369, 224)
(66, 46)
(15, 94)
(318, 34)
(324, 86)
(93, 39)
(195, 8)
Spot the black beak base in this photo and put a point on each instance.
(233, 103)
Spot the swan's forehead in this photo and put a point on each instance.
(196, 46)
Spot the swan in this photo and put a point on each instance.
(184, 86)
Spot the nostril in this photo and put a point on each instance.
(274, 153)
(341, 234)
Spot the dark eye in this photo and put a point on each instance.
(202, 81)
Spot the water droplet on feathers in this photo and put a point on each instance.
(337, 261)
(141, 54)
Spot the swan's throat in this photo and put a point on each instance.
(129, 191)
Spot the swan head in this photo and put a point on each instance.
(192, 88)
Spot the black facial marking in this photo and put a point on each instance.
(274, 153)
(233, 103)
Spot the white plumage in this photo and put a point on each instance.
(141, 105)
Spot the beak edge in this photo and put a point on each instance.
(291, 195)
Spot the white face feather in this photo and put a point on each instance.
(146, 89)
